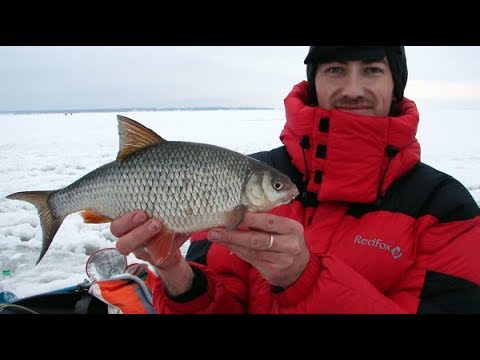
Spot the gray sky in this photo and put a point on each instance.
(83, 77)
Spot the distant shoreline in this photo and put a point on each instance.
(192, 108)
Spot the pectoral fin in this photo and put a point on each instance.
(234, 218)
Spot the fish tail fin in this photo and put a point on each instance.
(49, 223)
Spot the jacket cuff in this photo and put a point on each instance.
(301, 288)
(194, 300)
(199, 287)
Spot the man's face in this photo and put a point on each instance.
(360, 87)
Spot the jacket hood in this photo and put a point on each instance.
(349, 157)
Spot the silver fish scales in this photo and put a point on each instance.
(185, 185)
(188, 186)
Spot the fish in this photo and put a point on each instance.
(189, 186)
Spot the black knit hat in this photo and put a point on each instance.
(395, 55)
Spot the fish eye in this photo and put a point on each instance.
(277, 185)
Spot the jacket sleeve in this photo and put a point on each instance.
(329, 286)
(226, 288)
(442, 280)
(447, 268)
(444, 277)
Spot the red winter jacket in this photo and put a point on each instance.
(386, 233)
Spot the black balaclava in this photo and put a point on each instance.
(321, 54)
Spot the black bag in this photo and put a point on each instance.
(70, 300)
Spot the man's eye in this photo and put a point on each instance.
(334, 69)
(373, 70)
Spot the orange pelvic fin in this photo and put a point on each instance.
(161, 246)
(91, 217)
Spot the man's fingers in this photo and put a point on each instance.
(138, 236)
(143, 254)
(270, 223)
(122, 225)
(253, 240)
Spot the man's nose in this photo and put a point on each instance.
(353, 86)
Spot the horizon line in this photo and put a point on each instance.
(129, 109)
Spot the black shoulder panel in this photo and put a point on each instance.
(197, 251)
(425, 191)
(444, 293)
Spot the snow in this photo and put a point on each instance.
(46, 151)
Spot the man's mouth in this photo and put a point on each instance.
(356, 109)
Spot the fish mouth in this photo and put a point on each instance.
(293, 193)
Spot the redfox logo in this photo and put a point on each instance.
(379, 244)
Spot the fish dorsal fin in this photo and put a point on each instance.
(134, 136)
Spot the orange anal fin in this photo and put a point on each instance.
(161, 246)
(90, 217)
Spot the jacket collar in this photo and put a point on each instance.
(348, 157)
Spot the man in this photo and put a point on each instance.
(373, 231)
